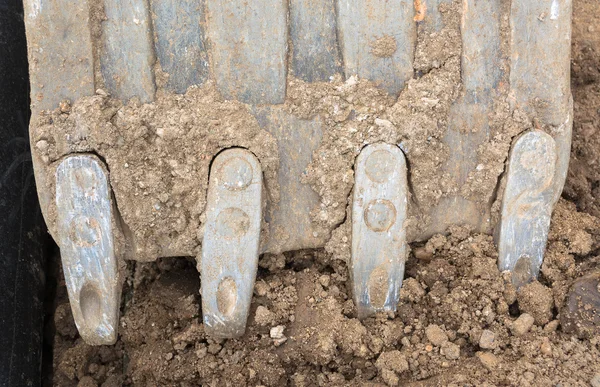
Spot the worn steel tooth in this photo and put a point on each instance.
(231, 242)
(378, 232)
(527, 206)
(86, 236)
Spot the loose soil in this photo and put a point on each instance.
(459, 322)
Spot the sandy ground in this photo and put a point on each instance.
(460, 321)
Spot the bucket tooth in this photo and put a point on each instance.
(86, 235)
(378, 232)
(527, 206)
(231, 242)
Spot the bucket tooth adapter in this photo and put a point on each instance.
(237, 128)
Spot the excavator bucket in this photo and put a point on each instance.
(224, 130)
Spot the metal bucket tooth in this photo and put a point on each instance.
(378, 232)
(527, 206)
(86, 230)
(231, 242)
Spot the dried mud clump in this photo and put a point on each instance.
(158, 156)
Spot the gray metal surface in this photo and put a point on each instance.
(179, 42)
(231, 241)
(527, 206)
(59, 68)
(127, 58)
(290, 225)
(377, 38)
(249, 49)
(378, 232)
(315, 51)
(87, 247)
(540, 58)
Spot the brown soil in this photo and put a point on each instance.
(459, 322)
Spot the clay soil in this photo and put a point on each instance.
(459, 322)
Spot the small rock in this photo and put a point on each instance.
(261, 288)
(487, 340)
(488, 359)
(389, 377)
(552, 326)
(392, 360)
(42, 145)
(536, 300)
(595, 381)
(436, 335)
(546, 347)
(277, 332)
(522, 325)
(421, 253)
(278, 342)
(384, 124)
(324, 280)
(450, 350)
(263, 316)
(581, 314)
(87, 381)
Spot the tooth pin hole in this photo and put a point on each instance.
(227, 297)
(90, 303)
(236, 174)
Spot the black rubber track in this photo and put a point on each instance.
(22, 232)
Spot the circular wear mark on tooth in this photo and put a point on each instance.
(236, 174)
(378, 286)
(90, 302)
(232, 223)
(380, 215)
(84, 231)
(227, 297)
(379, 166)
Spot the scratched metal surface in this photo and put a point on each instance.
(179, 42)
(527, 206)
(127, 58)
(231, 242)
(70, 56)
(249, 49)
(361, 23)
(313, 32)
(468, 126)
(296, 140)
(378, 232)
(85, 224)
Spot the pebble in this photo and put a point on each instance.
(488, 359)
(277, 332)
(546, 347)
(552, 326)
(325, 280)
(450, 350)
(522, 325)
(487, 340)
(436, 335)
